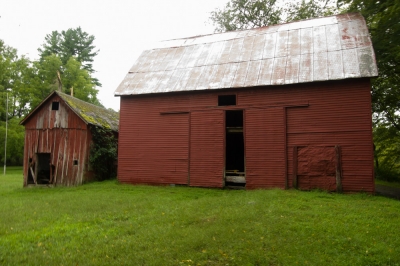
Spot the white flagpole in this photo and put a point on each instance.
(5, 142)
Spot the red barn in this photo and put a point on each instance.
(279, 106)
(58, 133)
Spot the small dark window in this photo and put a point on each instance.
(55, 105)
(75, 162)
(226, 100)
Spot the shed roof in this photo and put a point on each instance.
(89, 113)
(329, 48)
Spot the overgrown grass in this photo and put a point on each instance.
(108, 223)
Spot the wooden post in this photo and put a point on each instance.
(338, 152)
(33, 175)
(295, 184)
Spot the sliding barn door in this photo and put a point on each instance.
(207, 148)
(265, 148)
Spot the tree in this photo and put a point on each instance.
(77, 79)
(386, 152)
(44, 78)
(14, 81)
(310, 9)
(66, 62)
(103, 153)
(246, 14)
(15, 141)
(71, 43)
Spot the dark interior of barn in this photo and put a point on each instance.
(234, 149)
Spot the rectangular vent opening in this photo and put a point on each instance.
(55, 106)
(224, 100)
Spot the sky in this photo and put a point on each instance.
(123, 29)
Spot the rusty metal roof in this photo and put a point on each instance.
(89, 113)
(329, 48)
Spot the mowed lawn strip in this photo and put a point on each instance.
(108, 223)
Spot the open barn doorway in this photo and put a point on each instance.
(43, 169)
(234, 149)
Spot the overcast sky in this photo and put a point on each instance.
(123, 29)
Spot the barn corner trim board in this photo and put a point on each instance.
(267, 107)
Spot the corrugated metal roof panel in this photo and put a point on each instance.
(253, 74)
(279, 71)
(306, 73)
(292, 69)
(265, 73)
(318, 49)
(335, 65)
(270, 43)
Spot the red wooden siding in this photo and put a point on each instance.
(335, 116)
(207, 148)
(161, 134)
(154, 146)
(265, 148)
(63, 135)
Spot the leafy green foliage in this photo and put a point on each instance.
(28, 83)
(246, 14)
(77, 79)
(15, 142)
(387, 153)
(70, 43)
(309, 9)
(74, 49)
(103, 153)
(105, 223)
(14, 79)
(44, 78)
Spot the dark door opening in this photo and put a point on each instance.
(43, 168)
(234, 149)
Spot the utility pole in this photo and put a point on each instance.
(5, 142)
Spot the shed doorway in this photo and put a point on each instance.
(43, 169)
(234, 149)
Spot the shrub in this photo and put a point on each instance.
(103, 153)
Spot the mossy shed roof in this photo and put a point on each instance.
(89, 113)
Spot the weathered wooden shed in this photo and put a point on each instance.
(58, 133)
(279, 106)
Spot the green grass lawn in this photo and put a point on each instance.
(107, 223)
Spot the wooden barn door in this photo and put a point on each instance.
(265, 148)
(316, 167)
(207, 148)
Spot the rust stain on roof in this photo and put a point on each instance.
(320, 49)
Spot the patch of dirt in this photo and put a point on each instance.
(386, 191)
